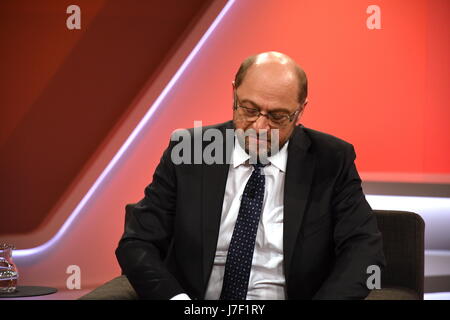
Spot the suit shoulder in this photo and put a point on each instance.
(218, 126)
(202, 129)
(326, 142)
(331, 152)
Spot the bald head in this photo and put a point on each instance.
(276, 63)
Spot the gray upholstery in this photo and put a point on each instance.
(117, 289)
(402, 279)
(403, 245)
(393, 294)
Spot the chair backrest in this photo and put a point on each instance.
(403, 244)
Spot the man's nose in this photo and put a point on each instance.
(261, 123)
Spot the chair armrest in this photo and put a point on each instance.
(396, 293)
(117, 289)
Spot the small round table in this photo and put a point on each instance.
(28, 291)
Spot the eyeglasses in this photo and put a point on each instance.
(276, 118)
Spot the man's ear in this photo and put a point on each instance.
(233, 94)
(303, 106)
(300, 114)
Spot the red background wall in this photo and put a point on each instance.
(69, 100)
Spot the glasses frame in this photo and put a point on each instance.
(289, 117)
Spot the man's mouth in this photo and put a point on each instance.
(259, 140)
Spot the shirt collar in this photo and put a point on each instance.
(279, 159)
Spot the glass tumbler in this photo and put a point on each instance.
(8, 270)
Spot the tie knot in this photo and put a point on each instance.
(258, 165)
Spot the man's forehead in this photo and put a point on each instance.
(270, 77)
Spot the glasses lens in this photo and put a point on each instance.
(250, 113)
(278, 118)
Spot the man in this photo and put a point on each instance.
(293, 224)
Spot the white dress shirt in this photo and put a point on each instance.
(267, 279)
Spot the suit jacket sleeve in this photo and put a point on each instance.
(147, 236)
(357, 240)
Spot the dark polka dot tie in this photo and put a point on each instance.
(242, 245)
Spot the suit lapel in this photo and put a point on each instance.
(214, 179)
(299, 174)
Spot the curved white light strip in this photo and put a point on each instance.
(420, 205)
(433, 210)
(437, 296)
(57, 237)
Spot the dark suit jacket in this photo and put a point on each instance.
(330, 234)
